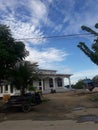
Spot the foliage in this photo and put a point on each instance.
(95, 97)
(85, 84)
(79, 85)
(31, 88)
(12, 65)
(11, 52)
(23, 74)
(95, 80)
(93, 52)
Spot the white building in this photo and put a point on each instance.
(49, 80)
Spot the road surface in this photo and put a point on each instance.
(47, 125)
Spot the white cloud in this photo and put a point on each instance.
(11, 4)
(19, 28)
(83, 74)
(39, 16)
(65, 70)
(50, 1)
(32, 29)
(47, 57)
(78, 20)
(75, 14)
(38, 9)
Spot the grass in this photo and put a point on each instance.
(94, 98)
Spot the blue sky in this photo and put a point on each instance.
(42, 18)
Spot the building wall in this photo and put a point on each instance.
(44, 84)
(4, 91)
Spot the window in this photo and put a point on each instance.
(1, 89)
(51, 82)
(59, 82)
(40, 84)
(11, 88)
(6, 87)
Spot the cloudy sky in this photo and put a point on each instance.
(37, 22)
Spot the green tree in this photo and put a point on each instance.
(95, 80)
(79, 85)
(11, 52)
(93, 52)
(23, 75)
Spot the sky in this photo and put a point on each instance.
(34, 21)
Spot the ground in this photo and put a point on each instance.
(70, 105)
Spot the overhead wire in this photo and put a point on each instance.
(56, 36)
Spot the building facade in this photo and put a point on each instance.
(49, 80)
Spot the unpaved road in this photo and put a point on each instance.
(58, 106)
(47, 125)
(70, 110)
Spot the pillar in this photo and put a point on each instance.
(42, 84)
(63, 82)
(9, 89)
(53, 83)
(3, 89)
(69, 83)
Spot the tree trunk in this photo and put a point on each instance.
(22, 90)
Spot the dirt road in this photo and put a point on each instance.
(47, 125)
(75, 107)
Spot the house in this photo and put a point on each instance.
(49, 80)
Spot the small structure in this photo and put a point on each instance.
(49, 81)
(88, 84)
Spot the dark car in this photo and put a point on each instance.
(25, 102)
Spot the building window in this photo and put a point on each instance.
(50, 82)
(59, 82)
(11, 88)
(40, 83)
(1, 89)
(6, 87)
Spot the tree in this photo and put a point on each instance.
(11, 52)
(95, 80)
(79, 85)
(93, 52)
(23, 75)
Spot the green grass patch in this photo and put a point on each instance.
(94, 98)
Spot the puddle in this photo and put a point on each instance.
(87, 118)
(78, 108)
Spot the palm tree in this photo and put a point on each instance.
(91, 52)
(23, 74)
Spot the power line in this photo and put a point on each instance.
(59, 36)
(54, 36)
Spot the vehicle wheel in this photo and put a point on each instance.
(37, 98)
(4, 108)
(26, 108)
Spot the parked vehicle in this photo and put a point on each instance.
(25, 102)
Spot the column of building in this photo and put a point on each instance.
(42, 84)
(9, 89)
(54, 87)
(3, 89)
(69, 82)
(63, 82)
